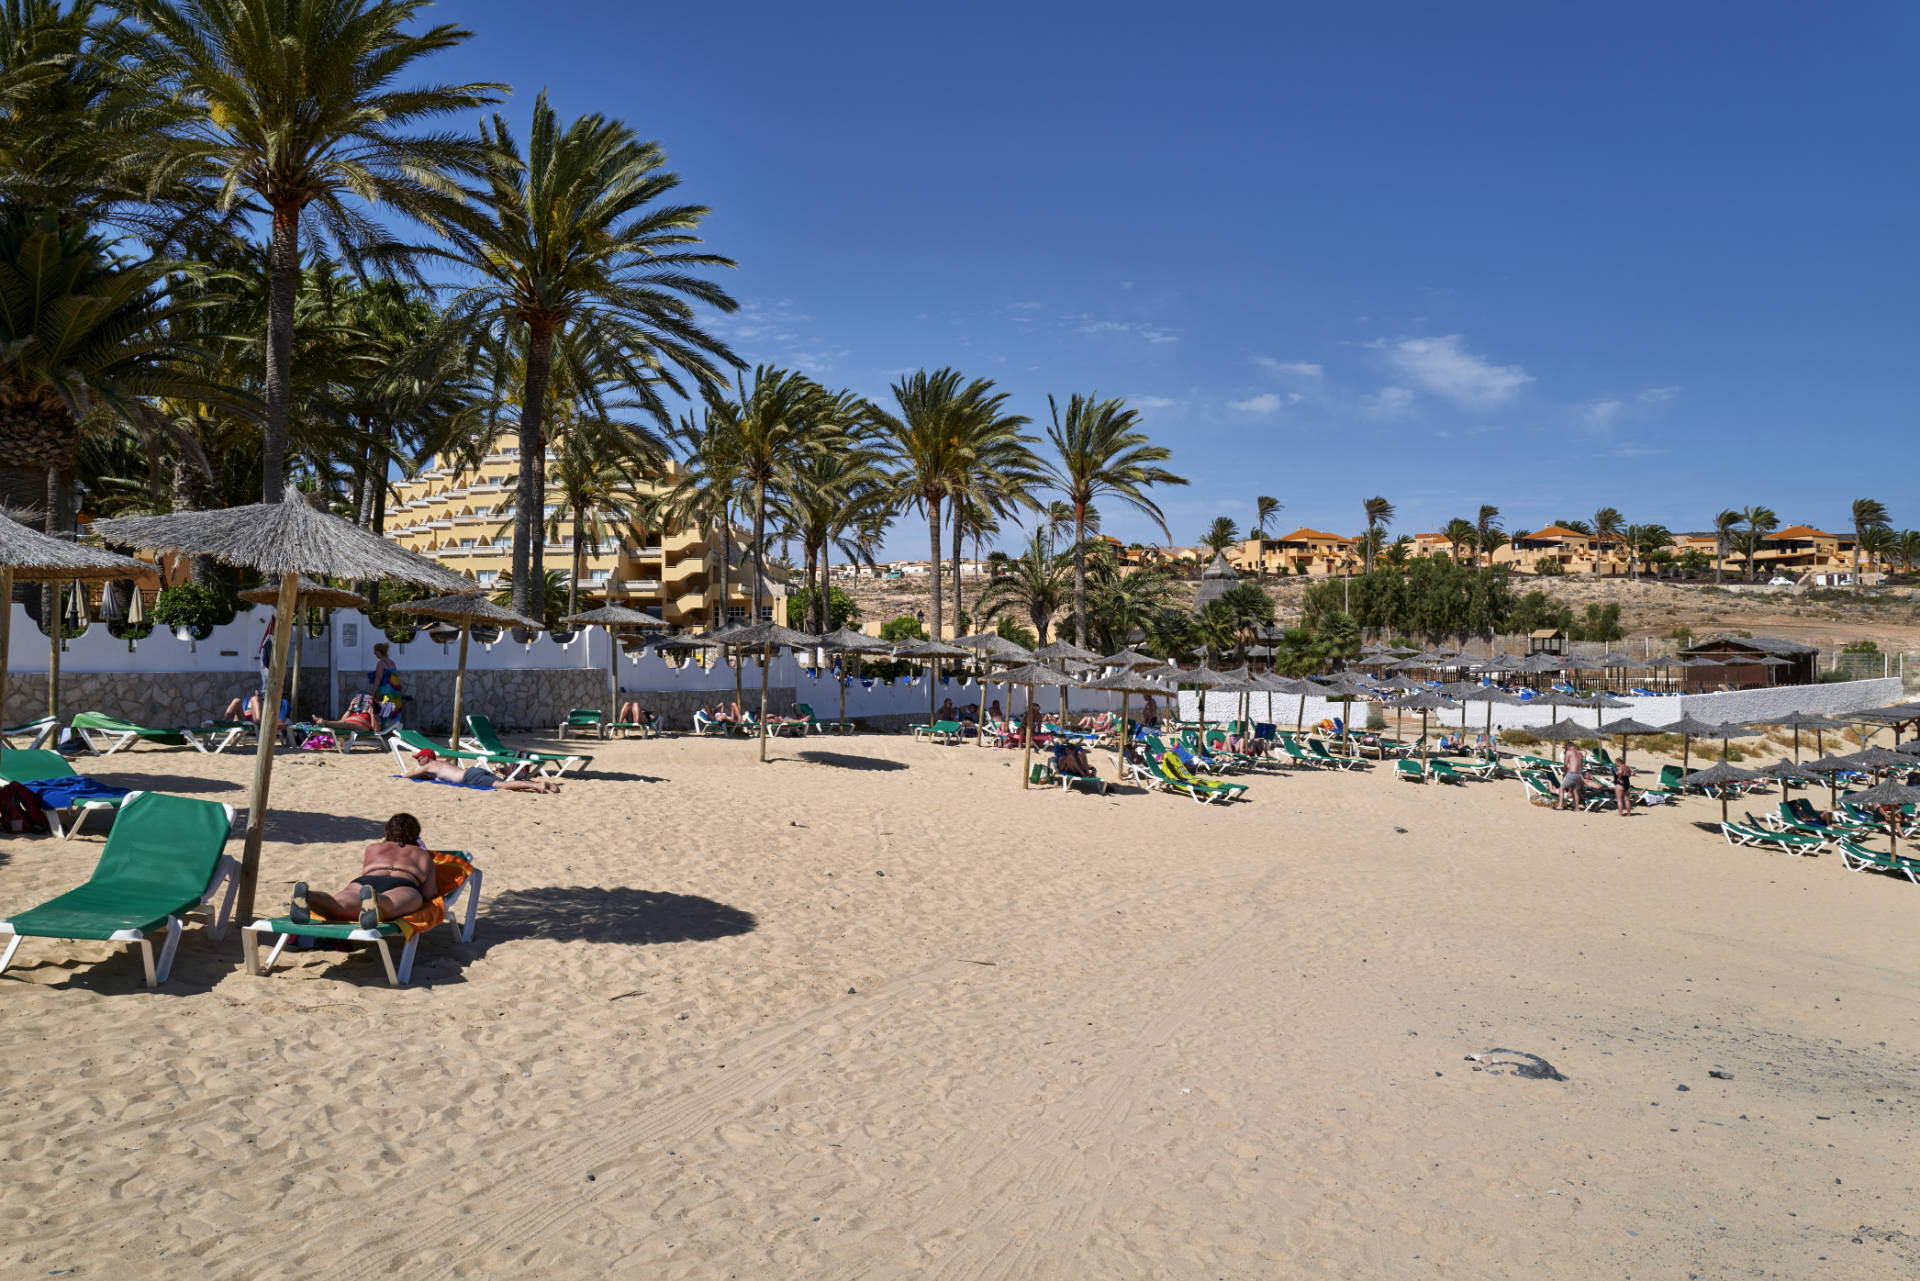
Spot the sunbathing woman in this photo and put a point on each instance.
(426, 764)
(1072, 759)
(394, 876)
(360, 715)
(634, 714)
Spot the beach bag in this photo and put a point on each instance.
(321, 742)
(20, 810)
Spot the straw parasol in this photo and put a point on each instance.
(1129, 658)
(1625, 728)
(1424, 701)
(1127, 682)
(721, 638)
(1720, 775)
(991, 648)
(1786, 771)
(931, 652)
(766, 636)
(609, 617)
(281, 540)
(845, 640)
(1490, 696)
(28, 556)
(1833, 767)
(1031, 675)
(1603, 702)
(467, 609)
(1061, 651)
(312, 595)
(1889, 793)
(1797, 721)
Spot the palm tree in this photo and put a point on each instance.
(704, 487)
(1459, 533)
(1485, 525)
(1907, 548)
(1396, 553)
(572, 250)
(1724, 526)
(995, 472)
(296, 112)
(1379, 515)
(829, 494)
(1607, 524)
(86, 338)
(1220, 535)
(1868, 514)
(1880, 544)
(1103, 451)
(1759, 521)
(1642, 542)
(781, 419)
(926, 445)
(1034, 583)
(1120, 604)
(1264, 510)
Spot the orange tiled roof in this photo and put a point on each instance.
(1802, 531)
(1305, 535)
(1557, 531)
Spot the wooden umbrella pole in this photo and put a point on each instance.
(293, 676)
(1120, 762)
(766, 656)
(459, 686)
(53, 658)
(6, 639)
(933, 693)
(263, 759)
(613, 679)
(1026, 736)
(841, 676)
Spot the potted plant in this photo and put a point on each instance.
(192, 611)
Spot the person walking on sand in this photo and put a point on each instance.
(1623, 787)
(1573, 778)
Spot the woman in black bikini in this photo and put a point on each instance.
(393, 881)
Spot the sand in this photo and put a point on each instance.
(871, 1011)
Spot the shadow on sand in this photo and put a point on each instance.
(840, 760)
(592, 914)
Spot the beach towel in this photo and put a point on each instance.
(451, 872)
(444, 783)
(65, 793)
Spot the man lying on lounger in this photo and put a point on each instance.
(394, 875)
(427, 765)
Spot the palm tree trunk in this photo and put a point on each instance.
(579, 564)
(959, 544)
(825, 593)
(1080, 574)
(726, 563)
(529, 516)
(378, 517)
(933, 563)
(759, 549)
(283, 287)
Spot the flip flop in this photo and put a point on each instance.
(300, 913)
(369, 909)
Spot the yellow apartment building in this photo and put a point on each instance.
(1313, 551)
(462, 519)
(1575, 552)
(1802, 549)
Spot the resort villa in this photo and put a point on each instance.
(1573, 551)
(1304, 551)
(463, 519)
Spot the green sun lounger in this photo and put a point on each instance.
(94, 728)
(165, 857)
(405, 742)
(818, 726)
(287, 929)
(1173, 776)
(483, 735)
(26, 765)
(1410, 771)
(1752, 834)
(36, 732)
(1861, 859)
(584, 718)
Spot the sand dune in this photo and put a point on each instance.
(839, 1018)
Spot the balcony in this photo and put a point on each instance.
(641, 586)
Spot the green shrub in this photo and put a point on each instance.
(1551, 569)
(904, 628)
(193, 606)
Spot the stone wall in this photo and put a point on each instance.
(534, 699)
(145, 698)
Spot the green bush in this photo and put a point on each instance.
(904, 628)
(1551, 569)
(840, 608)
(193, 606)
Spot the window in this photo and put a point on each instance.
(736, 613)
(467, 542)
(488, 577)
(766, 613)
(599, 575)
(550, 509)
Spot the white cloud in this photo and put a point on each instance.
(1655, 395)
(1264, 403)
(1025, 306)
(1446, 368)
(1152, 333)
(1599, 415)
(1295, 368)
(1153, 402)
(1389, 402)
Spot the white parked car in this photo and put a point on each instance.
(1779, 580)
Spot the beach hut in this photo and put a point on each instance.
(281, 541)
(1547, 640)
(1743, 659)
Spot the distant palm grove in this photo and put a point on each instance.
(247, 245)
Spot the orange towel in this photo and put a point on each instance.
(451, 872)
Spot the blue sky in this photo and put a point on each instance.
(1658, 257)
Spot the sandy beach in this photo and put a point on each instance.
(871, 1011)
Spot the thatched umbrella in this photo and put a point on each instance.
(1786, 771)
(1031, 675)
(312, 595)
(931, 652)
(1625, 728)
(1490, 696)
(993, 648)
(1833, 767)
(609, 617)
(467, 609)
(1127, 682)
(721, 638)
(1690, 727)
(1603, 702)
(1889, 793)
(1060, 652)
(28, 556)
(1562, 732)
(1798, 721)
(767, 636)
(1720, 775)
(1423, 702)
(845, 640)
(1346, 691)
(281, 540)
